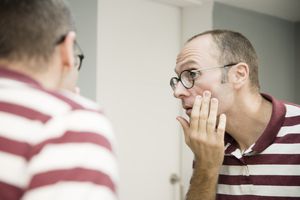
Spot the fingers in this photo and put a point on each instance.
(204, 112)
(185, 126)
(203, 119)
(196, 113)
(212, 118)
(184, 123)
(221, 127)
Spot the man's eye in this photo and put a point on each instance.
(194, 75)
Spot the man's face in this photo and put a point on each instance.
(198, 54)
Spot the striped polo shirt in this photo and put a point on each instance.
(53, 145)
(270, 168)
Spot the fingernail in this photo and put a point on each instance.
(214, 100)
(206, 93)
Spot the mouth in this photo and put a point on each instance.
(188, 110)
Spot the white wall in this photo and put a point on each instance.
(297, 56)
(196, 19)
(138, 43)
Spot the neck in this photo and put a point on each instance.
(47, 78)
(248, 119)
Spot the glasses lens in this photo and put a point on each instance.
(173, 82)
(77, 62)
(187, 79)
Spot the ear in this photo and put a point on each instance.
(239, 75)
(67, 51)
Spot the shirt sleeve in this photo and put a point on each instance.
(76, 160)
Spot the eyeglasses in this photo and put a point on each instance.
(187, 77)
(78, 57)
(78, 54)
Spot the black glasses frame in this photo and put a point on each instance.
(179, 78)
(80, 55)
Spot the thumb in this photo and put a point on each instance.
(184, 123)
(185, 126)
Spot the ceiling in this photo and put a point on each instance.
(284, 9)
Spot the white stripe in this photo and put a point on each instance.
(227, 145)
(284, 170)
(67, 156)
(292, 111)
(81, 120)
(71, 191)
(5, 82)
(24, 130)
(278, 148)
(259, 190)
(21, 129)
(34, 99)
(237, 153)
(87, 103)
(288, 130)
(13, 170)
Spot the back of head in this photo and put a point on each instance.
(234, 47)
(30, 29)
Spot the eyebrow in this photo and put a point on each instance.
(189, 62)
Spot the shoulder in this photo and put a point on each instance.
(67, 112)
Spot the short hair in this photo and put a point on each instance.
(233, 48)
(30, 28)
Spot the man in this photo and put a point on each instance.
(258, 156)
(53, 145)
(69, 82)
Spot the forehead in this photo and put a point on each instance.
(200, 52)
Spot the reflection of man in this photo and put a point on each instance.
(53, 146)
(219, 89)
(69, 81)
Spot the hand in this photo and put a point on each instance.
(201, 135)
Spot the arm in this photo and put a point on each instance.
(207, 143)
(203, 184)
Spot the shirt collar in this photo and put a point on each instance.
(14, 75)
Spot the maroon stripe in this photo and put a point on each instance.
(260, 180)
(252, 197)
(9, 192)
(274, 125)
(231, 148)
(291, 121)
(8, 73)
(75, 137)
(77, 174)
(280, 159)
(24, 112)
(14, 147)
(74, 105)
(291, 138)
(26, 79)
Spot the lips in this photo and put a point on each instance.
(188, 110)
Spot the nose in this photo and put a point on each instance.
(180, 91)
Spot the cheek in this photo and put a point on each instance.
(210, 83)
